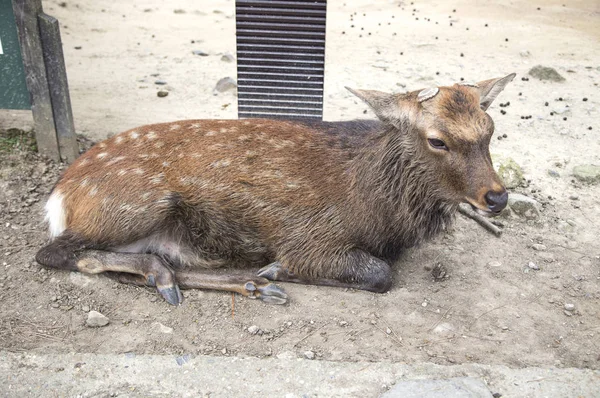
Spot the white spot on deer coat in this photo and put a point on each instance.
(134, 134)
(118, 139)
(151, 135)
(56, 215)
(101, 155)
(93, 191)
(221, 163)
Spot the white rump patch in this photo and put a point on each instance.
(56, 216)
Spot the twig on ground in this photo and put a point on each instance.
(311, 333)
(440, 319)
(484, 222)
(485, 313)
(393, 337)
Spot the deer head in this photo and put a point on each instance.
(448, 132)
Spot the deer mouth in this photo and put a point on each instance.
(481, 210)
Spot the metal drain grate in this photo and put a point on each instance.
(280, 58)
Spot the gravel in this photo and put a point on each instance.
(96, 320)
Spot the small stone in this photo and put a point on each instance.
(533, 266)
(388, 331)
(553, 173)
(568, 313)
(524, 206)
(309, 355)
(343, 323)
(227, 57)
(54, 305)
(494, 264)
(225, 84)
(85, 308)
(200, 53)
(525, 53)
(179, 11)
(509, 171)
(162, 328)
(162, 93)
(253, 329)
(538, 247)
(286, 355)
(160, 82)
(224, 351)
(569, 307)
(96, 320)
(587, 173)
(546, 73)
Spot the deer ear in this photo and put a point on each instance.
(386, 106)
(489, 89)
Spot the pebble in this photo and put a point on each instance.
(546, 73)
(200, 53)
(533, 266)
(509, 171)
(524, 206)
(85, 308)
(569, 307)
(227, 57)
(225, 84)
(494, 264)
(538, 247)
(343, 323)
(96, 320)
(587, 173)
(309, 355)
(388, 331)
(160, 82)
(253, 329)
(525, 53)
(162, 93)
(162, 328)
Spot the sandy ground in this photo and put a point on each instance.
(491, 309)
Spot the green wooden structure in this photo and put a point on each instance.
(33, 75)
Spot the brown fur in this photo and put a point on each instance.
(326, 200)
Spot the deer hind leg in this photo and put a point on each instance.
(357, 270)
(246, 284)
(66, 252)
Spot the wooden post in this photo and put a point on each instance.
(26, 16)
(59, 87)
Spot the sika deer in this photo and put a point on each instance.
(318, 203)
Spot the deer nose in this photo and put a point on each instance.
(496, 201)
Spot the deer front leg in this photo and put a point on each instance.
(357, 269)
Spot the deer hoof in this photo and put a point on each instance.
(271, 294)
(171, 294)
(274, 272)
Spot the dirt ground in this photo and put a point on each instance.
(490, 308)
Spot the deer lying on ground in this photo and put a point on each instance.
(311, 202)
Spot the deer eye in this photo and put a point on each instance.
(437, 144)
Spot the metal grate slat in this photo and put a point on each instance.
(281, 58)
